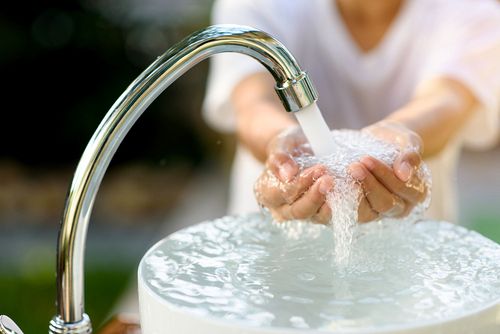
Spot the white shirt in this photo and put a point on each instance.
(459, 39)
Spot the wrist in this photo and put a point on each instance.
(280, 136)
(258, 126)
(397, 132)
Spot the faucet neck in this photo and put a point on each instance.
(292, 85)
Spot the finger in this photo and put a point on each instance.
(306, 206)
(412, 161)
(406, 165)
(272, 193)
(365, 212)
(268, 190)
(323, 215)
(302, 183)
(409, 191)
(283, 166)
(381, 200)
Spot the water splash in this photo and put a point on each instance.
(350, 146)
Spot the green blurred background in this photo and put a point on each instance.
(63, 65)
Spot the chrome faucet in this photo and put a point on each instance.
(293, 87)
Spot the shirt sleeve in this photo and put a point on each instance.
(227, 69)
(468, 50)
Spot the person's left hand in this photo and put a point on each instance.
(288, 192)
(390, 191)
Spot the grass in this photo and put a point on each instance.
(29, 298)
(487, 224)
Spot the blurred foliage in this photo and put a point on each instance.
(488, 224)
(64, 64)
(30, 297)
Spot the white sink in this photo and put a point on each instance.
(244, 275)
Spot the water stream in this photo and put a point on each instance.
(315, 129)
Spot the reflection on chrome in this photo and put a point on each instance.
(292, 86)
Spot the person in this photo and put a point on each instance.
(423, 74)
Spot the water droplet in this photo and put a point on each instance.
(306, 276)
(223, 274)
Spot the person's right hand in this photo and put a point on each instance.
(287, 192)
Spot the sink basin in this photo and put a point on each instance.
(244, 274)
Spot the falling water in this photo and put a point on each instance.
(317, 132)
(350, 146)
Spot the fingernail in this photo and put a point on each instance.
(286, 171)
(326, 185)
(368, 162)
(318, 173)
(357, 172)
(404, 171)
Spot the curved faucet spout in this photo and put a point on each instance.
(292, 85)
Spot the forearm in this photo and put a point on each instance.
(436, 113)
(259, 114)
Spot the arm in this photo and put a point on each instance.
(426, 124)
(271, 134)
(436, 113)
(422, 128)
(259, 114)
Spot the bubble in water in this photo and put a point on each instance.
(298, 322)
(307, 276)
(223, 274)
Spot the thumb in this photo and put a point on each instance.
(283, 166)
(406, 164)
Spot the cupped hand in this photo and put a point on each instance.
(390, 191)
(286, 191)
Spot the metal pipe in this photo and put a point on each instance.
(292, 86)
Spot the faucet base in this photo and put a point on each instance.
(58, 326)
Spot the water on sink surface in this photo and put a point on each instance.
(249, 270)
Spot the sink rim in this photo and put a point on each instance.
(493, 307)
